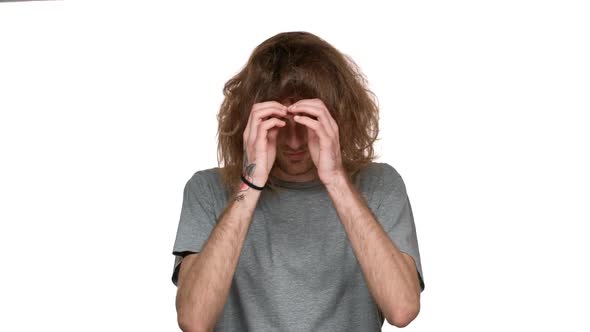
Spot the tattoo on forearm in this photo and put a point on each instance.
(250, 171)
(247, 172)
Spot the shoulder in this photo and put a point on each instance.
(375, 174)
(208, 175)
(381, 179)
(205, 180)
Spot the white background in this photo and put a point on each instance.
(108, 108)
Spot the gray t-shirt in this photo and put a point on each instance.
(297, 270)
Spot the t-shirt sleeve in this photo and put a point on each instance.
(395, 215)
(197, 220)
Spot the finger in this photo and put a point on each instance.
(317, 127)
(263, 129)
(320, 113)
(255, 112)
(267, 104)
(263, 105)
(320, 104)
(258, 115)
(272, 135)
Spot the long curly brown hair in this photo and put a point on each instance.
(291, 66)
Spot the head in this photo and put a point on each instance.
(286, 68)
(293, 160)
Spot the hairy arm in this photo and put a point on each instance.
(390, 274)
(205, 278)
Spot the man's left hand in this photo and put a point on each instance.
(322, 137)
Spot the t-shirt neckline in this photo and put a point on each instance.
(296, 185)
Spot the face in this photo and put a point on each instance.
(290, 165)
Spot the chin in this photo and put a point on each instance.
(296, 168)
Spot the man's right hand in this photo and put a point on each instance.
(260, 140)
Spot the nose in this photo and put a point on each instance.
(295, 134)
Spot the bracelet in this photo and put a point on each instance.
(251, 185)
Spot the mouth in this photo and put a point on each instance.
(295, 154)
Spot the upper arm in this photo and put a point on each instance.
(394, 213)
(197, 220)
(181, 266)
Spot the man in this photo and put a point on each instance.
(300, 230)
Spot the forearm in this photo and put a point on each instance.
(204, 289)
(391, 280)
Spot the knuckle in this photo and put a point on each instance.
(263, 127)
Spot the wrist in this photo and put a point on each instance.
(254, 182)
(338, 182)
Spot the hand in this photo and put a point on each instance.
(260, 140)
(322, 137)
